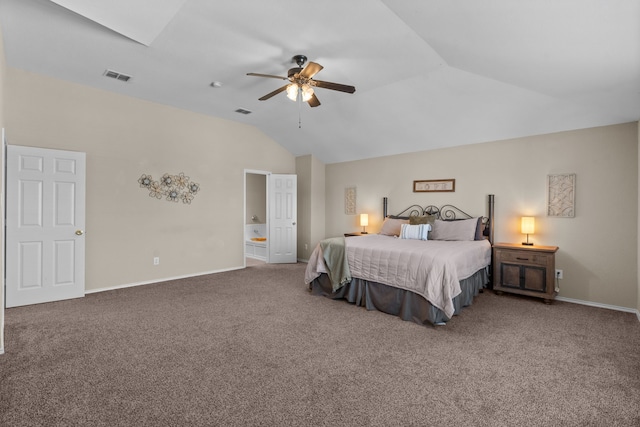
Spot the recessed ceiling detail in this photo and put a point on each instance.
(430, 74)
(142, 21)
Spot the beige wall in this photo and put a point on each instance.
(317, 218)
(598, 248)
(256, 198)
(311, 215)
(124, 138)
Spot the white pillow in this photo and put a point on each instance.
(416, 232)
(464, 229)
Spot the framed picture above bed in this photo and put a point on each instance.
(434, 185)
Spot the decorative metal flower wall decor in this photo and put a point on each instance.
(172, 187)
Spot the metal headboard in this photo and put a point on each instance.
(447, 213)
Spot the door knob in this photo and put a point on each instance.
(294, 223)
(79, 232)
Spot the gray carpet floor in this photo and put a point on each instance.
(254, 348)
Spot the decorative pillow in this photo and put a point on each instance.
(486, 228)
(479, 230)
(464, 229)
(415, 232)
(422, 219)
(391, 226)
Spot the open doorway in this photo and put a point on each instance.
(256, 243)
(270, 223)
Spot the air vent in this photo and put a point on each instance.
(116, 75)
(243, 111)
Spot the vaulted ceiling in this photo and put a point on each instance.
(428, 74)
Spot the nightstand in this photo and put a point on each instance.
(525, 270)
(357, 233)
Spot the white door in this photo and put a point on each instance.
(283, 208)
(45, 225)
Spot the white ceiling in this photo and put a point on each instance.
(428, 74)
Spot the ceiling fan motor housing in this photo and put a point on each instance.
(293, 71)
(299, 59)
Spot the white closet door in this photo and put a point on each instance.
(45, 225)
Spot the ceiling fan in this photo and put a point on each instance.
(302, 82)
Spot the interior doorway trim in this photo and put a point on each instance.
(244, 210)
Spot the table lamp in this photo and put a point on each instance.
(364, 221)
(527, 226)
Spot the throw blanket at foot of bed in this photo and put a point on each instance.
(335, 258)
(329, 257)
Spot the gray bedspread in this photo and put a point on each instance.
(432, 269)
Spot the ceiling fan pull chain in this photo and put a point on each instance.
(299, 108)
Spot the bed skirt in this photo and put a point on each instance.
(399, 302)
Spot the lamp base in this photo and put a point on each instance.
(527, 244)
(363, 232)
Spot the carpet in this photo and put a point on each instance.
(253, 347)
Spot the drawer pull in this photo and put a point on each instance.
(522, 259)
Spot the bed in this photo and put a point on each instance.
(425, 265)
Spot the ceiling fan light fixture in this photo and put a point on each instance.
(292, 92)
(307, 92)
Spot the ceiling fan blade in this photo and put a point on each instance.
(274, 93)
(333, 86)
(311, 70)
(267, 75)
(313, 101)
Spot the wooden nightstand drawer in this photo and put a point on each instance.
(524, 257)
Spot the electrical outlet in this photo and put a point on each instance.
(156, 260)
(306, 247)
(558, 273)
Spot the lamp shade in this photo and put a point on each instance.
(364, 220)
(292, 92)
(528, 225)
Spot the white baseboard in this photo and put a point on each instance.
(166, 279)
(600, 305)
